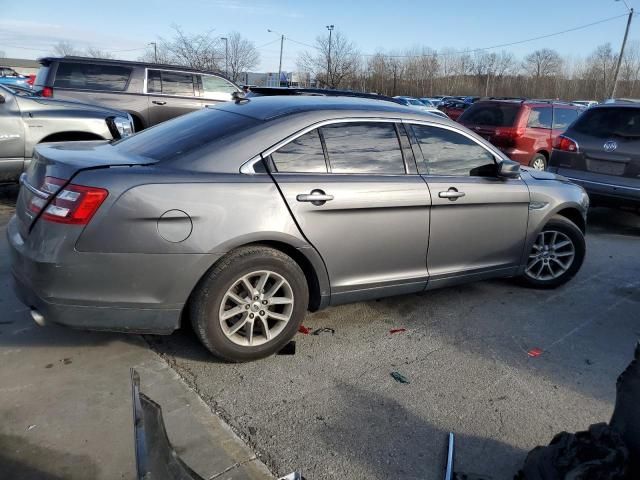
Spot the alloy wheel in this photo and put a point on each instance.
(552, 255)
(256, 308)
(538, 164)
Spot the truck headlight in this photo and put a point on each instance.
(120, 127)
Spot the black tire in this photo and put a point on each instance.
(210, 292)
(537, 158)
(567, 227)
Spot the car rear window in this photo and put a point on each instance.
(491, 115)
(41, 76)
(184, 134)
(87, 76)
(608, 122)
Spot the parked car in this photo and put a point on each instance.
(427, 102)
(585, 103)
(8, 76)
(453, 108)
(601, 152)
(150, 93)
(239, 218)
(523, 129)
(411, 102)
(27, 120)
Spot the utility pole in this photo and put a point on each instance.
(281, 47)
(330, 28)
(155, 51)
(624, 43)
(226, 56)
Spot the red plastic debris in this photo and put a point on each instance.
(535, 352)
(397, 330)
(304, 330)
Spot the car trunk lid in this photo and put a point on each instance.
(61, 162)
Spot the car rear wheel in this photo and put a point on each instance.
(250, 304)
(556, 256)
(539, 162)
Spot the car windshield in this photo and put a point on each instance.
(607, 122)
(491, 114)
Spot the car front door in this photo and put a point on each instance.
(356, 196)
(171, 94)
(11, 137)
(478, 220)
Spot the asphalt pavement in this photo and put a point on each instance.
(333, 410)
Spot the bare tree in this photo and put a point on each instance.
(345, 60)
(543, 63)
(64, 48)
(98, 53)
(243, 55)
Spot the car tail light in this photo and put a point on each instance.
(73, 204)
(507, 136)
(47, 92)
(565, 144)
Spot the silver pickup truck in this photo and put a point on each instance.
(27, 120)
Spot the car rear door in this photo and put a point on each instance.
(356, 196)
(538, 133)
(216, 89)
(478, 221)
(171, 94)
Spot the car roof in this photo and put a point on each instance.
(130, 63)
(271, 107)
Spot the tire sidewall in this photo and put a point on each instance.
(577, 237)
(207, 306)
(536, 157)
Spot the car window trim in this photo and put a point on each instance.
(497, 156)
(190, 72)
(247, 167)
(55, 76)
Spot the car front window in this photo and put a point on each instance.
(450, 153)
(217, 88)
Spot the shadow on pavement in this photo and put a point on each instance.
(610, 220)
(21, 460)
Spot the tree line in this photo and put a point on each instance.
(424, 72)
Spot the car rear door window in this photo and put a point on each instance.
(87, 76)
(302, 155)
(450, 153)
(540, 117)
(171, 83)
(364, 148)
(563, 117)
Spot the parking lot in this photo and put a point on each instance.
(334, 411)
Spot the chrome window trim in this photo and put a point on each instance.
(498, 155)
(247, 167)
(146, 77)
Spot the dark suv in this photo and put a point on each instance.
(601, 152)
(523, 129)
(150, 93)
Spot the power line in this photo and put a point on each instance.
(462, 52)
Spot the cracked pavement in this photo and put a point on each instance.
(333, 410)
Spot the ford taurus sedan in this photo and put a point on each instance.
(242, 217)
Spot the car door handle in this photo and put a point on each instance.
(316, 197)
(158, 102)
(451, 194)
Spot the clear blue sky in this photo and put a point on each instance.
(36, 25)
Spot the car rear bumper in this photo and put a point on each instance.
(95, 291)
(602, 189)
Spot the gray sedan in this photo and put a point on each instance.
(242, 217)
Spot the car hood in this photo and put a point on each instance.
(542, 175)
(41, 103)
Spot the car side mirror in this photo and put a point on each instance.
(2, 99)
(508, 169)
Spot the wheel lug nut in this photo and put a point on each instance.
(264, 302)
(262, 312)
(256, 297)
(247, 307)
(251, 315)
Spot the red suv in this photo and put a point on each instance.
(525, 130)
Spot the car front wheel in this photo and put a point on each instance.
(250, 304)
(556, 256)
(539, 162)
